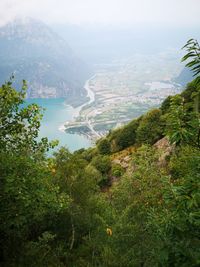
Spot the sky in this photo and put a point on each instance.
(178, 13)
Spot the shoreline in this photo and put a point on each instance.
(77, 110)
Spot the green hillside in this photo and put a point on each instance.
(131, 201)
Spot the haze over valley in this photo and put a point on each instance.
(99, 133)
(105, 75)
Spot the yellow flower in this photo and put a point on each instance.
(109, 231)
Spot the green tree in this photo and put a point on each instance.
(28, 196)
(104, 146)
(182, 122)
(28, 199)
(176, 226)
(132, 242)
(150, 128)
(19, 124)
(80, 228)
(102, 164)
(127, 135)
(176, 128)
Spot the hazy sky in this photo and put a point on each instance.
(115, 12)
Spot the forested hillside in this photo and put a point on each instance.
(132, 200)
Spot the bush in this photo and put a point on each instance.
(104, 146)
(117, 170)
(125, 136)
(102, 163)
(151, 127)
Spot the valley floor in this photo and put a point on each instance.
(118, 93)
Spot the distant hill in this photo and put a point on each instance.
(32, 51)
(184, 77)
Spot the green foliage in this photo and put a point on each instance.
(146, 129)
(19, 125)
(132, 197)
(176, 128)
(90, 153)
(191, 87)
(56, 211)
(39, 253)
(102, 164)
(182, 127)
(150, 128)
(28, 195)
(176, 226)
(193, 49)
(123, 137)
(104, 146)
(165, 106)
(127, 135)
(94, 173)
(79, 181)
(192, 95)
(117, 170)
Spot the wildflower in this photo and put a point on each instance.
(109, 231)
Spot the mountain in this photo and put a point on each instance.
(32, 51)
(184, 77)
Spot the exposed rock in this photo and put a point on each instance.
(165, 149)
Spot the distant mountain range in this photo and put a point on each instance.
(32, 51)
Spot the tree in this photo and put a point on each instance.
(28, 195)
(150, 128)
(183, 119)
(176, 226)
(104, 146)
(19, 124)
(127, 135)
(182, 126)
(102, 164)
(132, 197)
(29, 199)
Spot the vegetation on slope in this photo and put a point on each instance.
(62, 211)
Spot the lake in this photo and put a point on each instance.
(55, 115)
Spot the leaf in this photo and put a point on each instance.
(193, 48)
(191, 54)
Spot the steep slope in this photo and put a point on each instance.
(133, 200)
(32, 51)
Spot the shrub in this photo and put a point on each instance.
(102, 163)
(151, 127)
(117, 170)
(104, 146)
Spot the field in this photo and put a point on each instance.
(126, 89)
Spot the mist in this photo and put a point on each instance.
(100, 31)
(103, 44)
(177, 13)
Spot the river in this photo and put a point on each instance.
(76, 111)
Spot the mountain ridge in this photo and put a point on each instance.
(31, 50)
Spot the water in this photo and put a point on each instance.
(56, 114)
